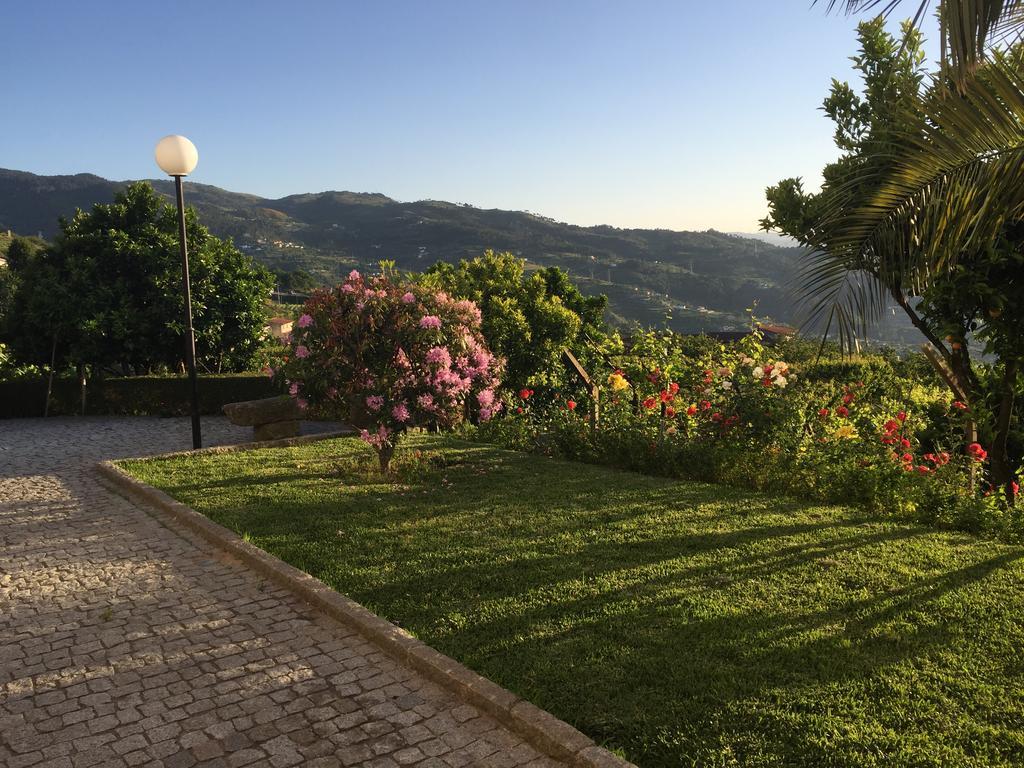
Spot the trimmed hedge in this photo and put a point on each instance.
(132, 396)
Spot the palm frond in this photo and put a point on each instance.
(836, 295)
(967, 28)
(950, 189)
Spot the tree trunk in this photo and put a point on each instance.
(1002, 470)
(49, 379)
(384, 454)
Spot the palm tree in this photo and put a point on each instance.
(948, 197)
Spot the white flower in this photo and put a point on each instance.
(726, 385)
(759, 372)
(792, 377)
(780, 382)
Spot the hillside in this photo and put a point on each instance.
(705, 279)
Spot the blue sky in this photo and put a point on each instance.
(670, 114)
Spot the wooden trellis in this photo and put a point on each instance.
(595, 391)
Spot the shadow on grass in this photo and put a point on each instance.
(669, 618)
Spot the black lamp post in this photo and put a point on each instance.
(177, 157)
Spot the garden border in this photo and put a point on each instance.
(540, 728)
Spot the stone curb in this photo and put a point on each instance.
(540, 728)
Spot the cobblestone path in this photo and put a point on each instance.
(124, 642)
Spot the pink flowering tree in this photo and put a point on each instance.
(385, 355)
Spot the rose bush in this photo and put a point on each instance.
(386, 354)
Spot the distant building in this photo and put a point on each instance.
(279, 327)
(776, 330)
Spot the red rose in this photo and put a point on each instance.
(823, 413)
(716, 416)
(904, 442)
(977, 452)
(705, 406)
(570, 404)
(673, 388)
(959, 405)
(525, 393)
(907, 458)
(650, 402)
(691, 410)
(902, 415)
(670, 411)
(843, 411)
(848, 398)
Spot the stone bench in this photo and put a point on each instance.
(270, 418)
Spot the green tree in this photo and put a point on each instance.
(114, 274)
(527, 318)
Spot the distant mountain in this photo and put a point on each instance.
(772, 238)
(705, 280)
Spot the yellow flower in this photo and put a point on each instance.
(618, 382)
(846, 432)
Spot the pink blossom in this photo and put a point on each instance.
(293, 388)
(377, 439)
(439, 356)
(354, 275)
(486, 398)
(400, 413)
(302, 403)
(305, 321)
(375, 402)
(408, 298)
(482, 360)
(485, 414)
(430, 321)
(426, 401)
(468, 310)
(348, 288)
(302, 351)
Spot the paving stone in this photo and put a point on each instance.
(129, 641)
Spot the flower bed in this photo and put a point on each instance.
(867, 434)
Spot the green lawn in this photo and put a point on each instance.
(676, 622)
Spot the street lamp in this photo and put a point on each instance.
(177, 157)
